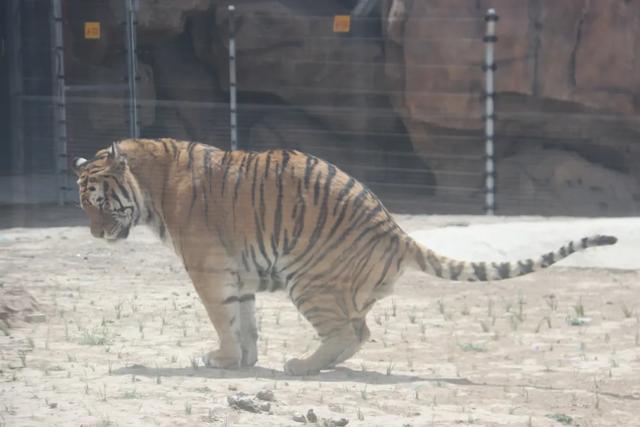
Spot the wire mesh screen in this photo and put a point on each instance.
(34, 99)
(394, 97)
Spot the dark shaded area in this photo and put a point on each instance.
(37, 87)
(5, 107)
(42, 216)
(339, 374)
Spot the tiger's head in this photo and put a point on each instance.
(108, 193)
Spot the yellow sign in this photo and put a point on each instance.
(92, 30)
(341, 23)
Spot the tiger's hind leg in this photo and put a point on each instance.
(341, 337)
(335, 348)
(362, 333)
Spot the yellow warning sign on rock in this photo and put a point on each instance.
(92, 30)
(341, 23)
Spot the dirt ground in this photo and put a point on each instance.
(124, 329)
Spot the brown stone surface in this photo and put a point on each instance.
(545, 182)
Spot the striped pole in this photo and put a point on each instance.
(60, 105)
(489, 67)
(134, 125)
(232, 78)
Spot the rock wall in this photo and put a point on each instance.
(407, 78)
(567, 78)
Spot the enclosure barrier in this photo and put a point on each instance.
(232, 79)
(132, 77)
(59, 102)
(379, 155)
(489, 67)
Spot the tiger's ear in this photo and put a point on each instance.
(113, 152)
(78, 165)
(116, 159)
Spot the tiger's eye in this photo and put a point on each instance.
(92, 188)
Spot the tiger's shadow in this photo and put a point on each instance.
(337, 375)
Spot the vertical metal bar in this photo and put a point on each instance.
(59, 100)
(232, 78)
(14, 27)
(489, 117)
(132, 77)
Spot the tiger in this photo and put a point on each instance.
(244, 222)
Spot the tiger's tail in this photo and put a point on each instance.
(452, 269)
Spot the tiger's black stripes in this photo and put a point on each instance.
(226, 163)
(321, 221)
(240, 176)
(359, 202)
(165, 146)
(498, 271)
(504, 269)
(261, 245)
(190, 148)
(311, 163)
(548, 259)
(316, 188)
(253, 182)
(298, 222)
(205, 202)
(267, 165)
(194, 191)
(480, 270)
(259, 268)
(343, 193)
(277, 221)
(262, 207)
(526, 266)
(455, 269)
(122, 190)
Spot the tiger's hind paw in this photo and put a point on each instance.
(300, 367)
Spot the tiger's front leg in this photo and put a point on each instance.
(248, 329)
(218, 291)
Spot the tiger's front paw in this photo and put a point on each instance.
(218, 359)
(300, 367)
(249, 356)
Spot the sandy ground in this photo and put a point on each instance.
(124, 327)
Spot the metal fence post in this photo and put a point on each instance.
(232, 78)
(132, 77)
(16, 85)
(59, 101)
(489, 67)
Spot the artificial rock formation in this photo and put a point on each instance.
(567, 75)
(546, 182)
